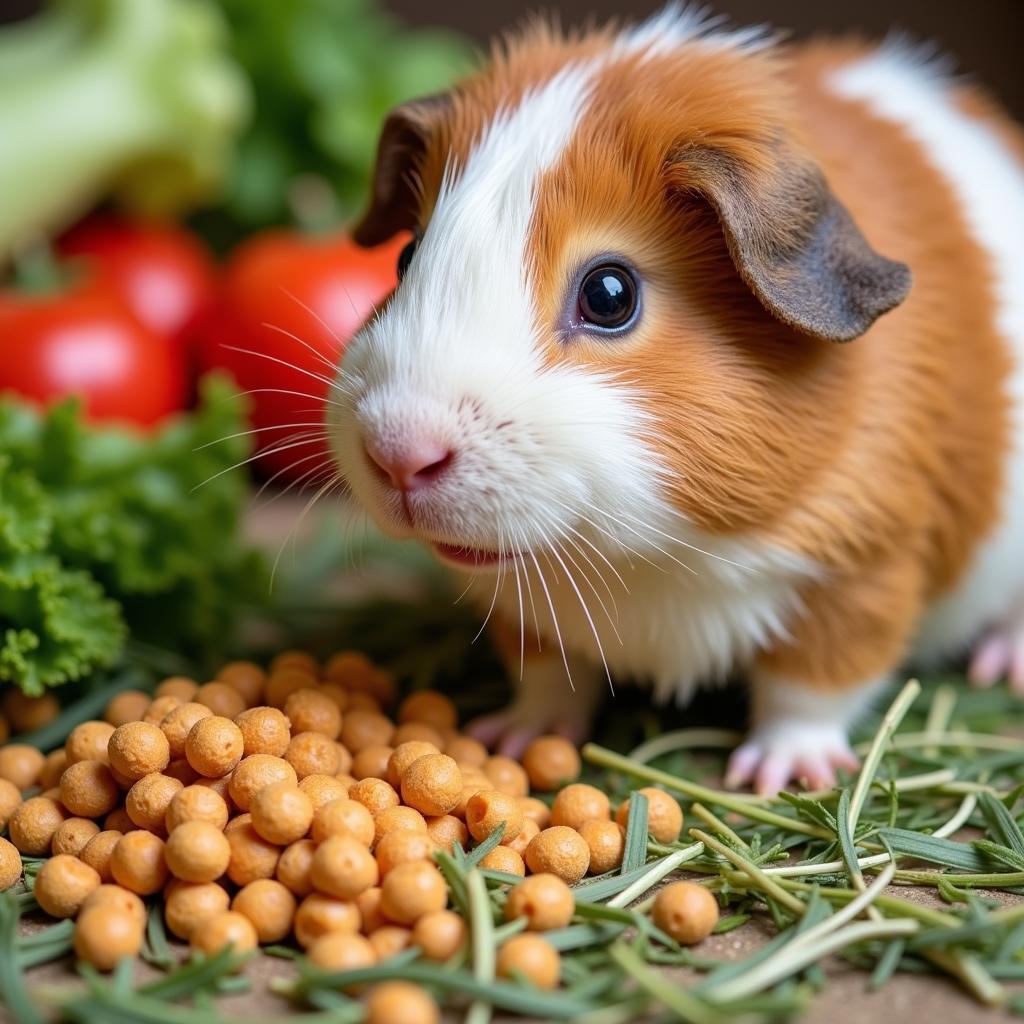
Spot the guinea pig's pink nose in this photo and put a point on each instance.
(412, 464)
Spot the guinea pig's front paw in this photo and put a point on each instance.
(1000, 655)
(510, 731)
(778, 752)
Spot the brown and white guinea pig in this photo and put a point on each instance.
(708, 356)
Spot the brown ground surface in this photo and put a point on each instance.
(844, 999)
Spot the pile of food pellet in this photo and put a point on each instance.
(279, 804)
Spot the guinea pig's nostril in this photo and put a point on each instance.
(411, 465)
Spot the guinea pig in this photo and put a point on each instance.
(706, 358)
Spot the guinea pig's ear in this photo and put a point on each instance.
(793, 243)
(393, 195)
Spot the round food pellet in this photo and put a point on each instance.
(504, 858)
(282, 683)
(88, 789)
(178, 686)
(127, 706)
(265, 730)
(446, 830)
(525, 837)
(544, 900)
(149, 798)
(506, 775)
(310, 710)
(252, 857)
(370, 915)
(318, 915)
(214, 746)
(105, 935)
(256, 772)
(401, 1002)
(223, 700)
(361, 729)
(537, 811)
(181, 770)
(440, 934)
(345, 761)
(295, 865)
(489, 808)
(310, 753)
(72, 836)
(88, 741)
(389, 940)
(428, 706)
(402, 846)
(362, 702)
(466, 750)
(138, 748)
(107, 895)
(33, 825)
(118, 821)
(53, 768)
(664, 815)
(352, 669)
(686, 911)
(432, 784)
(411, 890)
(370, 762)
(322, 789)
(607, 842)
(403, 755)
(62, 885)
(178, 723)
(530, 957)
(160, 709)
(375, 795)
(197, 851)
(223, 930)
(551, 762)
(24, 713)
(189, 905)
(10, 864)
(137, 862)
(196, 803)
(21, 764)
(10, 801)
(343, 867)
(98, 851)
(343, 817)
(341, 951)
(247, 678)
(559, 850)
(419, 731)
(295, 659)
(579, 803)
(269, 905)
(394, 819)
(281, 813)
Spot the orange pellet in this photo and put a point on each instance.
(221, 699)
(178, 686)
(366, 729)
(402, 846)
(507, 775)
(343, 817)
(282, 683)
(73, 835)
(196, 803)
(318, 914)
(411, 890)
(148, 799)
(370, 915)
(88, 742)
(579, 803)
(177, 724)
(269, 906)
(107, 895)
(322, 789)
(440, 934)
(138, 748)
(265, 730)
(504, 858)
(607, 842)
(396, 818)
(520, 842)
(389, 940)
(432, 784)
(189, 905)
(295, 659)
(10, 801)
(311, 753)
(544, 900)
(88, 789)
(446, 830)
(418, 732)
(98, 851)
(295, 865)
(401, 1002)
(375, 795)
(53, 768)
(33, 825)
(214, 746)
(105, 935)
(309, 710)
(247, 678)
(686, 911)
(127, 706)
(343, 867)
(532, 958)
(561, 851)
(26, 713)
(62, 885)
(488, 809)
(21, 764)
(370, 762)
(10, 864)
(160, 709)
(537, 811)
(664, 815)
(197, 851)
(342, 951)
(466, 750)
(137, 862)
(281, 813)
(252, 856)
(227, 928)
(403, 755)
(428, 706)
(551, 762)
(256, 771)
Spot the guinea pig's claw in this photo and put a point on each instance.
(773, 757)
(511, 731)
(1000, 655)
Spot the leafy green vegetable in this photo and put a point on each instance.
(101, 95)
(104, 531)
(325, 73)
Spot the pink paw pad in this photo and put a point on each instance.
(773, 757)
(511, 731)
(999, 655)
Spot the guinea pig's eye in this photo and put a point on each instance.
(405, 257)
(607, 296)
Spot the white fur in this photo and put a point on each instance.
(677, 23)
(989, 181)
(551, 460)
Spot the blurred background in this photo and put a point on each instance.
(177, 286)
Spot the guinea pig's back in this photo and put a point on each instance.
(934, 174)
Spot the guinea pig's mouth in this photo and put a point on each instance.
(464, 557)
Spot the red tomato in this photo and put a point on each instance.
(85, 341)
(292, 302)
(164, 273)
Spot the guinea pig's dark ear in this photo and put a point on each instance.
(793, 243)
(393, 195)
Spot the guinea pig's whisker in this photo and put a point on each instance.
(316, 316)
(617, 541)
(291, 366)
(612, 619)
(320, 357)
(257, 430)
(522, 619)
(332, 482)
(274, 450)
(523, 548)
(498, 576)
(580, 538)
(554, 618)
(297, 394)
(296, 482)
